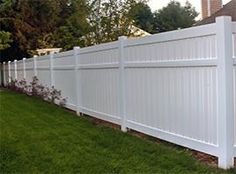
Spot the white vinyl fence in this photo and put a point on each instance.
(178, 86)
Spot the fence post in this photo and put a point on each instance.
(9, 71)
(51, 68)
(4, 73)
(225, 92)
(15, 69)
(122, 101)
(24, 71)
(35, 65)
(77, 81)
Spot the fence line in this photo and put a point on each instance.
(178, 86)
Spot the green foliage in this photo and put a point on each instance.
(5, 40)
(74, 27)
(108, 20)
(62, 23)
(142, 15)
(38, 137)
(174, 16)
(65, 38)
(33, 24)
(37, 24)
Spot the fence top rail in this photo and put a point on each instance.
(31, 59)
(64, 54)
(188, 33)
(100, 47)
(42, 57)
(39, 58)
(20, 61)
(193, 32)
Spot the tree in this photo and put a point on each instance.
(74, 27)
(142, 15)
(5, 40)
(33, 24)
(174, 16)
(62, 23)
(11, 22)
(108, 20)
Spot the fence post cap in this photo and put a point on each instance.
(9, 61)
(15, 60)
(4, 62)
(35, 56)
(24, 58)
(76, 50)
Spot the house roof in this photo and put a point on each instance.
(46, 51)
(227, 10)
(138, 32)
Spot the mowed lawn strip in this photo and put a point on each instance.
(38, 137)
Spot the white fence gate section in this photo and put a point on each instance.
(178, 86)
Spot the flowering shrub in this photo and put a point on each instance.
(36, 89)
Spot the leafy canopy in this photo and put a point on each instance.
(5, 40)
(174, 16)
(37, 24)
(62, 23)
(142, 15)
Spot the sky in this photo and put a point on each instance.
(158, 4)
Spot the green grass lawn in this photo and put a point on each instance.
(37, 137)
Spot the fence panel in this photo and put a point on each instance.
(20, 70)
(5, 73)
(235, 107)
(12, 70)
(43, 70)
(100, 81)
(29, 69)
(234, 58)
(171, 88)
(64, 76)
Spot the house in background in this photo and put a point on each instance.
(138, 32)
(213, 8)
(46, 51)
(210, 7)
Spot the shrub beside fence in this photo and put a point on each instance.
(178, 86)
